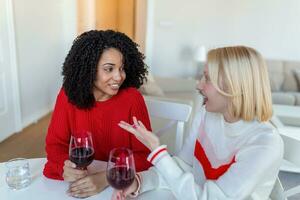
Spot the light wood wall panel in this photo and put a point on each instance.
(140, 23)
(86, 18)
(106, 14)
(126, 17)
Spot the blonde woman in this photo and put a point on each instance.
(231, 152)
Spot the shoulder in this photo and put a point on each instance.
(266, 133)
(266, 136)
(62, 97)
(130, 93)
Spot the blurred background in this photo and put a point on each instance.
(35, 36)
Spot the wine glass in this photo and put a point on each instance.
(81, 149)
(120, 172)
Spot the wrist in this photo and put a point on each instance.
(157, 153)
(153, 147)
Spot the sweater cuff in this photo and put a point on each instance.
(164, 163)
(157, 154)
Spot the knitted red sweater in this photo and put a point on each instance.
(102, 121)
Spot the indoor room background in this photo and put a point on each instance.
(36, 35)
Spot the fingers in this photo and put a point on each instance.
(70, 173)
(83, 194)
(118, 195)
(141, 124)
(137, 132)
(70, 164)
(79, 184)
(137, 128)
(89, 185)
(135, 121)
(127, 127)
(82, 188)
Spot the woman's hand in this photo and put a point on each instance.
(122, 194)
(89, 185)
(72, 174)
(138, 129)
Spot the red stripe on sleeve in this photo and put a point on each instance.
(157, 153)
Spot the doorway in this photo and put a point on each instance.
(10, 114)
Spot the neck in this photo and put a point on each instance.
(229, 118)
(101, 97)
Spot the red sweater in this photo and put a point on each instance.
(102, 121)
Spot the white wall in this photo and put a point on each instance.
(44, 32)
(176, 27)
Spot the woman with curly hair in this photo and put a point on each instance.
(101, 74)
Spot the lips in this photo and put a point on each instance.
(205, 99)
(115, 86)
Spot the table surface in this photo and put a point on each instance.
(48, 189)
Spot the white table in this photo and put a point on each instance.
(47, 189)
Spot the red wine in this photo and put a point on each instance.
(82, 156)
(120, 177)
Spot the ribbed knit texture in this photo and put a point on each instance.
(102, 121)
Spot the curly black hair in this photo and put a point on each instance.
(80, 66)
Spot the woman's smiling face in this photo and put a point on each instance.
(110, 74)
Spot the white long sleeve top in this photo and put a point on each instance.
(250, 154)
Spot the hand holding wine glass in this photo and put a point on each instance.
(120, 171)
(81, 150)
(81, 154)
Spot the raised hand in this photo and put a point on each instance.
(138, 129)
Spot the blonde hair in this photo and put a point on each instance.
(241, 74)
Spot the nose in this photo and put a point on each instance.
(200, 84)
(117, 76)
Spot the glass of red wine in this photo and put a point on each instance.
(81, 150)
(120, 172)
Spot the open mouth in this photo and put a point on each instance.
(205, 99)
(115, 86)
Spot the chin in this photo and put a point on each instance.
(209, 109)
(113, 92)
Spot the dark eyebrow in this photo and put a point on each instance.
(109, 64)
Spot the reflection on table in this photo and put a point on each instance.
(47, 189)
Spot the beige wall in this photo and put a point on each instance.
(271, 27)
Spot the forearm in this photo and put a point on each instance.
(57, 153)
(176, 174)
(151, 180)
(54, 166)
